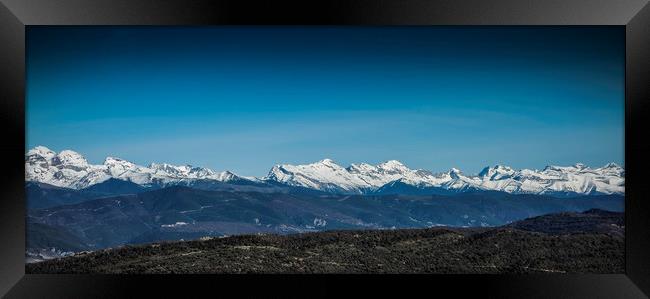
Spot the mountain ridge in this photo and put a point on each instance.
(70, 169)
(593, 243)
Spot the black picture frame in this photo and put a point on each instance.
(15, 15)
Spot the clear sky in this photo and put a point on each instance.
(246, 98)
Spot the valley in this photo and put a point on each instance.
(592, 243)
(178, 212)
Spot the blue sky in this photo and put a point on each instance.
(246, 98)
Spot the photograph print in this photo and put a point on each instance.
(325, 149)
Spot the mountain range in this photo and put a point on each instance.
(74, 220)
(69, 169)
(73, 205)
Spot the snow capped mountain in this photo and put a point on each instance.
(497, 172)
(364, 178)
(71, 170)
(326, 175)
(65, 169)
(186, 171)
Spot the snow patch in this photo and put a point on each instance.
(177, 224)
(320, 222)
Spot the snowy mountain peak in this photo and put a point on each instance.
(558, 168)
(579, 166)
(572, 168)
(171, 170)
(68, 157)
(612, 169)
(327, 162)
(42, 152)
(393, 165)
(361, 167)
(454, 173)
(201, 172)
(503, 168)
(114, 160)
(122, 169)
(162, 166)
(227, 176)
(611, 165)
(119, 164)
(39, 156)
(278, 174)
(495, 173)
